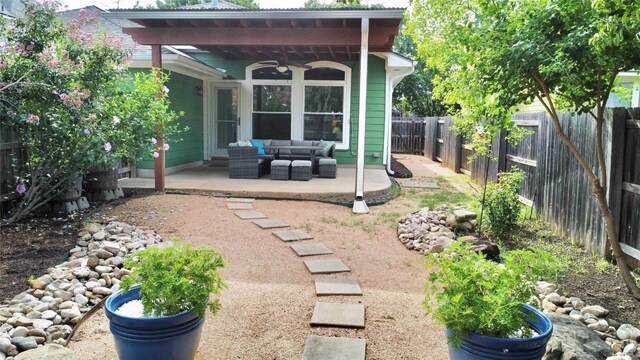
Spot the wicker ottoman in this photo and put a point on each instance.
(327, 168)
(280, 169)
(301, 170)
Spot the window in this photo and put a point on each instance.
(324, 100)
(323, 112)
(271, 105)
(300, 103)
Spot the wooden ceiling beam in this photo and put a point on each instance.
(333, 55)
(258, 36)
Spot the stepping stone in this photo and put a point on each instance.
(292, 235)
(241, 200)
(270, 224)
(250, 214)
(326, 287)
(327, 266)
(310, 249)
(239, 206)
(333, 348)
(338, 315)
(419, 184)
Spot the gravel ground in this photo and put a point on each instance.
(267, 308)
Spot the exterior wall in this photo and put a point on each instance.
(184, 97)
(374, 138)
(374, 142)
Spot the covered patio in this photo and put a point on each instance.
(216, 180)
(290, 74)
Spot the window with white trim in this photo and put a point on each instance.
(271, 105)
(324, 100)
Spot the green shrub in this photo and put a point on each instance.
(501, 204)
(175, 279)
(540, 264)
(469, 293)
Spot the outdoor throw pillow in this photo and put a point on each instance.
(244, 143)
(326, 147)
(260, 145)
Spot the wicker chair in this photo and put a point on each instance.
(244, 163)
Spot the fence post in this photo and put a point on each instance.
(458, 154)
(502, 150)
(614, 144)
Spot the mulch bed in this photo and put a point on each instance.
(29, 247)
(584, 280)
(399, 170)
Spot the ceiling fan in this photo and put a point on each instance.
(283, 66)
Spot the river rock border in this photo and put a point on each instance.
(620, 337)
(56, 301)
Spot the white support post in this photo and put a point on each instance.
(359, 205)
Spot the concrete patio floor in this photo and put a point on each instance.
(216, 179)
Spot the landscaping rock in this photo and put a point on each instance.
(572, 340)
(24, 343)
(595, 310)
(628, 332)
(427, 231)
(49, 352)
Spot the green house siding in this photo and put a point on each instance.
(184, 97)
(374, 136)
(235, 68)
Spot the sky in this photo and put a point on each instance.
(126, 4)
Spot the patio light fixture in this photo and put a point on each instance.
(282, 68)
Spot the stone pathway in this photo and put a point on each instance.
(239, 206)
(325, 313)
(270, 224)
(250, 214)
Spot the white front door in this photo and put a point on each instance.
(226, 120)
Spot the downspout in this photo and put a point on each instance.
(359, 205)
(392, 82)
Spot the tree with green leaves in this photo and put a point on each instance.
(414, 95)
(495, 55)
(173, 4)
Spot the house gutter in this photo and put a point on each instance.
(397, 68)
(396, 13)
(359, 205)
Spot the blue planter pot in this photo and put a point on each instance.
(477, 347)
(174, 337)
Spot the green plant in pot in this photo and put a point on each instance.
(174, 284)
(483, 305)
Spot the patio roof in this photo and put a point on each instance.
(266, 34)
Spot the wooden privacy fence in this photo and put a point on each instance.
(12, 157)
(555, 183)
(407, 135)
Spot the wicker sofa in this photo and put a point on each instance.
(246, 163)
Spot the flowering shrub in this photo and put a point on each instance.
(66, 95)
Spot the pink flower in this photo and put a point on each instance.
(21, 189)
(154, 141)
(107, 147)
(165, 147)
(87, 132)
(33, 118)
(156, 154)
(3, 65)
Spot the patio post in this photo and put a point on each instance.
(359, 205)
(156, 63)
